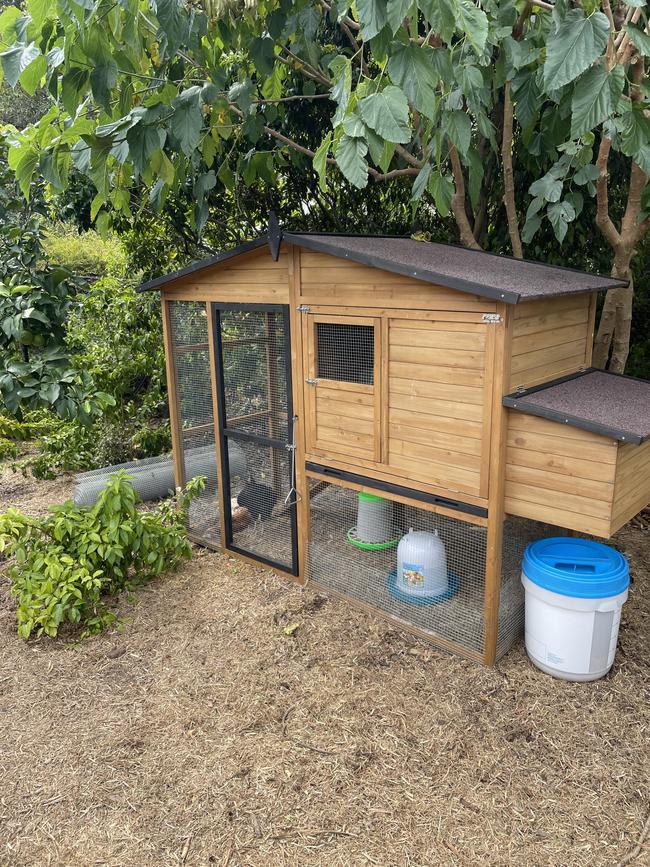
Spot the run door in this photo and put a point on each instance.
(255, 428)
(342, 388)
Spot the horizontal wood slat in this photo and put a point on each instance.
(429, 406)
(546, 340)
(438, 357)
(343, 423)
(445, 425)
(438, 390)
(427, 373)
(434, 438)
(438, 338)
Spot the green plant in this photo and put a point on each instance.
(35, 299)
(83, 253)
(67, 563)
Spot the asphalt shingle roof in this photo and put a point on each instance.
(474, 271)
(596, 400)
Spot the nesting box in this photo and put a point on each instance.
(453, 384)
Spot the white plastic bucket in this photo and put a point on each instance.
(573, 634)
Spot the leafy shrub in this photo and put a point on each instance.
(68, 563)
(86, 254)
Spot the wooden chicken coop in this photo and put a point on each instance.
(453, 385)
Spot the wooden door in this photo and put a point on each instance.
(440, 401)
(343, 387)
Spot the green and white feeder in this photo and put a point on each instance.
(374, 530)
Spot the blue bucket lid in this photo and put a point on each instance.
(576, 567)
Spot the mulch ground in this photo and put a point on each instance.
(237, 719)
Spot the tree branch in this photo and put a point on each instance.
(458, 202)
(508, 175)
(603, 220)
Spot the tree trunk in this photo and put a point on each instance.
(616, 320)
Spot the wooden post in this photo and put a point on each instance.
(298, 380)
(223, 505)
(271, 346)
(501, 334)
(172, 396)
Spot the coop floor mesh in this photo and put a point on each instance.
(364, 575)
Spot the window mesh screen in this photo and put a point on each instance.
(368, 575)
(189, 339)
(255, 387)
(345, 352)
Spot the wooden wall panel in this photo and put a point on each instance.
(248, 279)
(632, 485)
(330, 280)
(551, 338)
(437, 428)
(559, 474)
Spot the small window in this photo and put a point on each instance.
(346, 352)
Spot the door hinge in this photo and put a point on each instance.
(311, 381)
(304, 308)
(491, 317)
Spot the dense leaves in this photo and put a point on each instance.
(168, 98)
(174, 91)
(35, 300)
(66, 564)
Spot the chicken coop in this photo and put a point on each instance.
(393, 420)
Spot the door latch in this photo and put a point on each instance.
(311, 381)
(491, 317)
(304, 308)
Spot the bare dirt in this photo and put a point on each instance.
(237, 719)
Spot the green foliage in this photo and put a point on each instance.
(35, 299)
(419, 78)
(67, 563)
(85, 254)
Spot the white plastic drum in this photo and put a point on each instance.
(575, 590)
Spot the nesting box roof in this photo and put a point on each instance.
(606, 403)
(473, 271)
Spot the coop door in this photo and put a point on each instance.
(342, 387)
(253, 379)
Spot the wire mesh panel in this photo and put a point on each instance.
(262, 503)
(338, 562)
(345, 352)
(193, 389)
(517, 533)
(255, 424)
(253, 346)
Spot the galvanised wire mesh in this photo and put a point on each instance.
(345, 352)
(189, 340)
(254, 374)
(262, 503)
(335, 563)
(517, 533)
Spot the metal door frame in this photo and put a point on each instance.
(224, 433)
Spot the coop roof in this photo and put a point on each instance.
(474, 271)
(606, 403)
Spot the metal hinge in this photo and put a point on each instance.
(311, 381)
(304, 308)
(491, 317)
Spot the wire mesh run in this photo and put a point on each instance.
(262, 503)
(253, 345)
(193, 389)
(345, 353)
(369, 575)
(517, 533)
